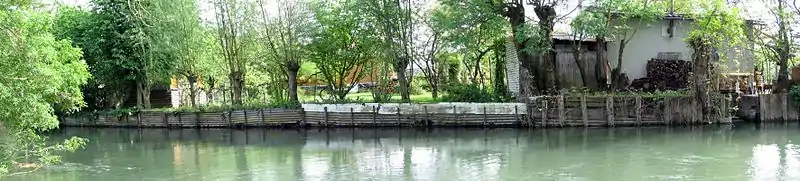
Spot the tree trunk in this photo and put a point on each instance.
(237, 85)
(546, 15)
(618, 76)
(291, 70)
(602, 69)
(400, 68)
(192, 89)
(146, 95)
(499, 72)
(577, 55)
(435, 91)
(700, 68)
(139, 99)
(527, 70)
(210, 89)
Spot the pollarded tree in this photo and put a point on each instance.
(284, 32)
(41, 75)
(232, 20)
(344, 41)
(394, 20)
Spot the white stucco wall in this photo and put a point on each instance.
(646, 44)
(650, 40)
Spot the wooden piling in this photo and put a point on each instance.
(638, 110)
(455, 115)
(352, 117)
(562, 115)
(197, 118)
(516, 115)
(261, 112)
(139, 119)
(326, 116)
(230, 119)
(245, 117)
(166, 120)
(544, 112)
(584, 111)
(610, 111)
(398, 115)
(374, 116)
(667, 111)
(427, 116)
(484, 116)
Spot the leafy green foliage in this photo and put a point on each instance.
(471, 93)
(794, 93)
(40, 75)
(344, 41)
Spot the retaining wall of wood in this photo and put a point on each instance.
(560, 111)
(775, 108)
(549, 111)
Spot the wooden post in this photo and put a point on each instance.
(516, 115)
(544, 112)
(484, 116)
(245, 117)
(197, 119)
(784, 106)
(455, 115)
(326, 116)
(166, 120)
(584, 111)
(610, 110)
(180, 121)
(762, 108)
(374, 116)
(352, 118)
(230, 118)
(638, 110)
(427, 117)
(398, 115)
(667, 111)
(261, 111)
(139, 119)
(561, 114)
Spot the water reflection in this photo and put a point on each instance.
(700, 153)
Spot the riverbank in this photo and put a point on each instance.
(546, 111)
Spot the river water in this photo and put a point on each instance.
(741, 152)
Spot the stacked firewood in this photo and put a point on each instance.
(664, 75)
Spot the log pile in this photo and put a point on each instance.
(664, 75)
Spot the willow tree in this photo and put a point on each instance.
(718, 28)
(182, 36)
(232, 19)
(395, 24)
(283, 32)
(41, 75)
(344, 41)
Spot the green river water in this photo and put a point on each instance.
(741, 152)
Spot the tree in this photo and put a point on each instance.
(182, 37)
(777, 45)
(284, 32)
(231, 22)
(472, 28)
(586, 25)
(395, 24)
(619, 20)
(719, 27)
(41, 75)
(344, 42)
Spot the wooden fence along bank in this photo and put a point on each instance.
(550, 111)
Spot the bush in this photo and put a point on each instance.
(794, 93)
(471, 93)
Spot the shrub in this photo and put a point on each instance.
(471, 93)
(794, 93)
